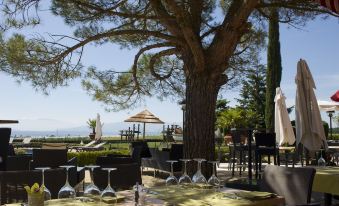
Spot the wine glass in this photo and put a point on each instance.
(47, 193)
(67, 191)
(214, 180)
(108, 194)
(321, 160)
(185, 179)
(198, 177)
(91, 189)
(171, 180)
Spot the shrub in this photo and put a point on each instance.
(89, 158)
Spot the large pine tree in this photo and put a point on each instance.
(185, 47)
(274, 67)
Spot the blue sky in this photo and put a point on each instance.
(317, 43)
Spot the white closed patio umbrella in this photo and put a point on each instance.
(309, 127)
(283, 127)
(328, 106)
(98, 128)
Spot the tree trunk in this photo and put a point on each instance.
(201, 96)
(274, 68)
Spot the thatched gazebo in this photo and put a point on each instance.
(145, 117)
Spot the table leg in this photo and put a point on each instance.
(327, 199)
(286, 158)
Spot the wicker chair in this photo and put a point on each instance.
(54, 158)
(13, 182)
(5, 134)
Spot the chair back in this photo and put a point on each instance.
(18, 162)
(265, 139)
(236, 137)
(136, 154)
(56, 146)
(49, 157)
(145, 149)
(5, 134)
(124, 177)
(295, 184)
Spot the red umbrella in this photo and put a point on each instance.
(333, 5)
(335, 96)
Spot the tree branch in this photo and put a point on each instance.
(156, 57)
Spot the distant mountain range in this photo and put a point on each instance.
(108, 129)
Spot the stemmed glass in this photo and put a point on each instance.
(67, 191)
(91, 189)
(108, 194)
(171, 180)
(47, 193)
(198, 177)
(321, 160)
(214, 180)
(185, 179)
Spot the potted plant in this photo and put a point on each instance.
(92, 124)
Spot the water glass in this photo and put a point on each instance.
(108, 194)
(91, 189)
(214, 180)
(198, 177)
(67, 191)
(171, 180)
(185, 179)
(47, 193)
(321, 160)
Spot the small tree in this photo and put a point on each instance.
(252, 96)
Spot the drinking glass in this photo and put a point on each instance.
(214, 180)
(47, 193)
(91, 189)
(67, 191)
(321, 160)
(171, 180)
(185, 179)
(198, 177)
(108, 194)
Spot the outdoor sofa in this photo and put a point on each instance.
(158, 159)
(127, 174)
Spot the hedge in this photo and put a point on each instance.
(89, 158)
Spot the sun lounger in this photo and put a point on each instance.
(54, 146)
(26, 141)
(97, 147)
(79, 148)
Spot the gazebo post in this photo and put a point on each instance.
(143, 135)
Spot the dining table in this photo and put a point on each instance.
(326, 180)
(180, 196)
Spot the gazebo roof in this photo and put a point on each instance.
(145, 117)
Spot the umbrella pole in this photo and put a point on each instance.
(143, 136)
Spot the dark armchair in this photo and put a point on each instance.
(18, 162)
(13, 182)
(5, 134)
(54, 158)
(127, 174)
(265, 144)
(159, 158)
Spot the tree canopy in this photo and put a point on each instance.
(164, 32)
